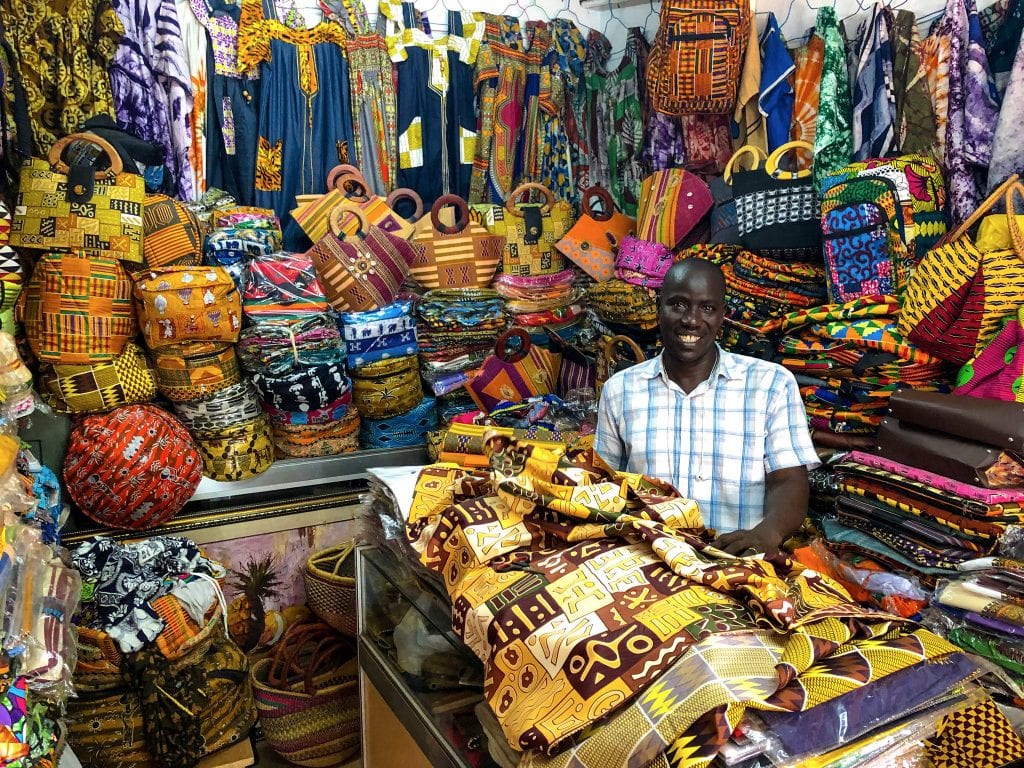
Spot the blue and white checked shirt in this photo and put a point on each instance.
(716, 444)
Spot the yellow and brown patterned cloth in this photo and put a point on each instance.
(579, 588)
(195, 369)
(128, 378)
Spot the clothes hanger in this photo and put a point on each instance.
(567, 8)
(540, 8)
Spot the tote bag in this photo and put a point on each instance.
(958, 295)
(464, 255)
(530, 231)
(593, 240)
(514, 376)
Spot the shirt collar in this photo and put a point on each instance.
(725, 367)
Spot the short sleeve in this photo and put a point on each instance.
(608, 436)
(788, 440)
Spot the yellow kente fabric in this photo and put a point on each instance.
(579, 588)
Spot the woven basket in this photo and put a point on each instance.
(331, 587)
(307, 696)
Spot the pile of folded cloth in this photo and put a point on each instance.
(537, 301)
(456, 329)
(849, 359)
(238, 235)
(759, 292)
(618, 308)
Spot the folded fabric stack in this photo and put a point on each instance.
(849, 359)
(456, 329)
(241, 233)
(759, 292)
(535, 301)
(382, 349)
(618, 308)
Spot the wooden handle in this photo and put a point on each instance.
(998, 194)
(1015, 234)
(349, 183)
(501, 345)
(116, 166)
(771, 165)
(606, 200)
(759, 155)
(338, 172)
(338, 218)
(404, 193)
(549, 197)
(461, 217)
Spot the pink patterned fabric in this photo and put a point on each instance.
(972, 492)
(642, 262)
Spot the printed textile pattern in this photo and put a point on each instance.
(833, 134)
(567, 578)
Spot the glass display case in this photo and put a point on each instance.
(416, 675)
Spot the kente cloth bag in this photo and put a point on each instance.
(177, 304)
(387, 387)
(724, 229)
(778, 213)
(592, 241)
(77, 310)
(463, 255)
(578, 369)
(282, 286)
(672, 203)
(530, 231)
(512, 377)
(126, 379)
(364, 271)
(350, 190)
(962, 289)
(997, 372)
(134, 467)
(400, 431)
(195, 369)
(98, 213)
(237, 452)
(642, 262)
(697, 56)
(172, 235)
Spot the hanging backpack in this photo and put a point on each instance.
(864, 239)
(920, 188)
(695, 62)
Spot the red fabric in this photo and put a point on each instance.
(133, 467)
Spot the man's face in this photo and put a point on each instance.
(689, 316)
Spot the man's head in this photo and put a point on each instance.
(691, 310)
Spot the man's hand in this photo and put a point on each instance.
(746, 543)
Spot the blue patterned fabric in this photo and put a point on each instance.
(404, 430)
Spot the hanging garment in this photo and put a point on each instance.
(500, 87)
(194, 39)
(874, 98)
(231, 96)
(748, 124)
(1002, 24)
(915, 117)
(626, 130)
(63, 51)
(152, 86)
(833, 135)
(807, 62)
(663, 137)
(305, 118)
(936, 58)
(775, 102)
(465, 34)
(564, 67)
(982, 107)
(1007, 149)
(374, 111)
(595, 111)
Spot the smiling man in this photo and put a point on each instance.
(728, 431)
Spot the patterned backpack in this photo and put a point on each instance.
(878, 217)
(695, 62)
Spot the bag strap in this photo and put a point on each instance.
(116, 166)
(1015, 234)
(530, 186)
(607, 205)
(999, 194)
(338, 218)
(501, 348)
(759, 155)
(461, 216)
(771, 165)
(404, 193)
(338, 173)
(615, 343)
(290, 649)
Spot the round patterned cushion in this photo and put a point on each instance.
(172, 234)
(133, 467)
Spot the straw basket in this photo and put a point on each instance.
(307, 696)
(331, 587)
